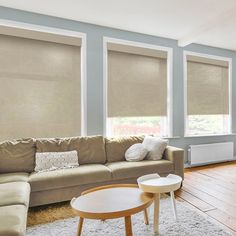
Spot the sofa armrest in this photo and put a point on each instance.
(175, 155)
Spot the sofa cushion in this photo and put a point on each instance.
(125, 169)
(116, 147)
(14, 193)
(14, 177)
(13, 220)
(17, 156)
(155, 146)
(91, 149)
(84, 174)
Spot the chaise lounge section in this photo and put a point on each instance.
(14, 203)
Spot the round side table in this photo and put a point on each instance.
(155, 184)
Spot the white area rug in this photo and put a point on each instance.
(190, 223)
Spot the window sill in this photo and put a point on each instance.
(208, 135)
(171, 137)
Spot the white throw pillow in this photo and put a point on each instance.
(46, 161)
(136, 152)
(155, 147)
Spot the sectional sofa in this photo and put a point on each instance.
(101, 162)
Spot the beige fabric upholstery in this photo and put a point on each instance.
(84, 174)
(13, 220)
(125, 169)
(14, 193)
(116, 147)
(91, 149)
(176, 155)
(173, 163)
(13, 177)
(17, 156)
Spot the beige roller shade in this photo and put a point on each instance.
(40, 92)
(137, 85)
(136, 50)
(207, 86)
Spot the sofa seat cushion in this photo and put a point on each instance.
(13, 220)
(14, 193)
(125, 169)
(84, 174)
(14, 177)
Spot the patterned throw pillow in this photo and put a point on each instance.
(47, 161)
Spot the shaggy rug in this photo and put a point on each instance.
(190, 223)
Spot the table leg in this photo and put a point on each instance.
(128, 226)
(146, 221)
(80, 225)
(156, 212)
(173, 204)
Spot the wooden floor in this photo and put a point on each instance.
(212, 190)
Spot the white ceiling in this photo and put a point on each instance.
(208, 22)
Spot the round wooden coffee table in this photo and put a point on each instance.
(112, 201)
(156, 184)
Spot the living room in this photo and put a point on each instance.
(117, 118)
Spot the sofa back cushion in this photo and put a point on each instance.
(91, 149)
(116, 147)
(17, 156)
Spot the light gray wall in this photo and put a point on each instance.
(95, 71)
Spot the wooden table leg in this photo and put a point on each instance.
(156, 213)
(80, 225)
(146, 221)
(128, 226)
(173, 204)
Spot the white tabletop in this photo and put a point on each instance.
(162, 181)
(155, 184)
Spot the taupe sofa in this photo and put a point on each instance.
(101, 162)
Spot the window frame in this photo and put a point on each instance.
(57, 35)
(169, 52)
(185, 66)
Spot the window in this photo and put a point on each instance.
(207, 94)
(40, 91)
(137, 91)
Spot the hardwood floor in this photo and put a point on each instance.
(212, 190)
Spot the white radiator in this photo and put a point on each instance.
(210, 153)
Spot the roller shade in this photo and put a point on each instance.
(137, 50)
(40, 92)
(137, 84)
(207, 86)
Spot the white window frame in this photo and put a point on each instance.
(51, 34)
(209, 56)
(169, 51)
